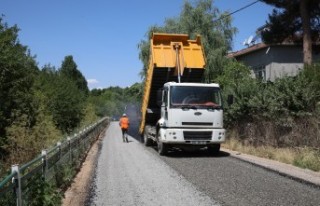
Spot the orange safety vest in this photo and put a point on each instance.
(124, 122)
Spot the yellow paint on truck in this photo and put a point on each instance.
(170, 54)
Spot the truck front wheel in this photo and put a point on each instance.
(162, 148)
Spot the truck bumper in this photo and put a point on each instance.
(191, 136)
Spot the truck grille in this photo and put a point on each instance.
(188, 135)
(197, 123)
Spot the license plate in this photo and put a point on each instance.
(198, 142)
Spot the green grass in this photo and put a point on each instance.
(301, 157)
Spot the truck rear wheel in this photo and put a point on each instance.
(147, 141)
(214, 148)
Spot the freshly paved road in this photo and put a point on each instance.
(128, 174)
(131, 174)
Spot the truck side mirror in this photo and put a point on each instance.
(159, 97)
(230, 99)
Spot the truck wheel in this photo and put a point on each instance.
(162, 148)
(147, 141)
(214, 148)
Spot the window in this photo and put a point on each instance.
(260, 72)
(165, 96)
(198, 96)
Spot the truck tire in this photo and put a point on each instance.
(147, 141)
(214, 149)
(162, 148)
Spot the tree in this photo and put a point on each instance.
(69, 69)
(236, 80)
(134, 93)
(290, 19)
(62, 98)
(66, 104)
(194, 19)
(17, 71)
(113, 100)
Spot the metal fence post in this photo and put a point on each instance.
(84, 138)
(17, 181)
(59, 149)
(76, 139)
(45, 163)
(70, 149)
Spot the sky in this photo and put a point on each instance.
(102, 35)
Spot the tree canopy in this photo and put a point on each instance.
(294, 21)
(37, 106)
(62, 98)
(17, 71)
(69, 69)
(113, 100)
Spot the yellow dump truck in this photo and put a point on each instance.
(178, 111)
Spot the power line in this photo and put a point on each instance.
(242, 8)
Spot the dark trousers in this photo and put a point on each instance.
(124, 130)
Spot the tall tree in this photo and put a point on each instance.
(17, 70)
(290, 19)
(69, 69)
(62, 98)
(198, 18)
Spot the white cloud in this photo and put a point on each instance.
(92, 81)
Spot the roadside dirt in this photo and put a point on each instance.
(79, 190)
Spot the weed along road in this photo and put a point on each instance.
(132, 174)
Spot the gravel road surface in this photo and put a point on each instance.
(131, 174)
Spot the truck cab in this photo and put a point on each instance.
(191, 117)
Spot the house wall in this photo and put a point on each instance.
(256, 58)
(279, 70)
(275, 61)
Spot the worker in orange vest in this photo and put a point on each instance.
(124, 124)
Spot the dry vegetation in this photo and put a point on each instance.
(301, 157)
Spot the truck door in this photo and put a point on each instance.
(164, 105)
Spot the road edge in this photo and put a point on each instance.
(298, 174)
(78, 191)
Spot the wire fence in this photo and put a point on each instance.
(40, 181)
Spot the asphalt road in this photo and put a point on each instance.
(131, 174)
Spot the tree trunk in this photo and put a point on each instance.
(307, 42)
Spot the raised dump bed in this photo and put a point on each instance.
(173, 57)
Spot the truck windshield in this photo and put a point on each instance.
(193, 96)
